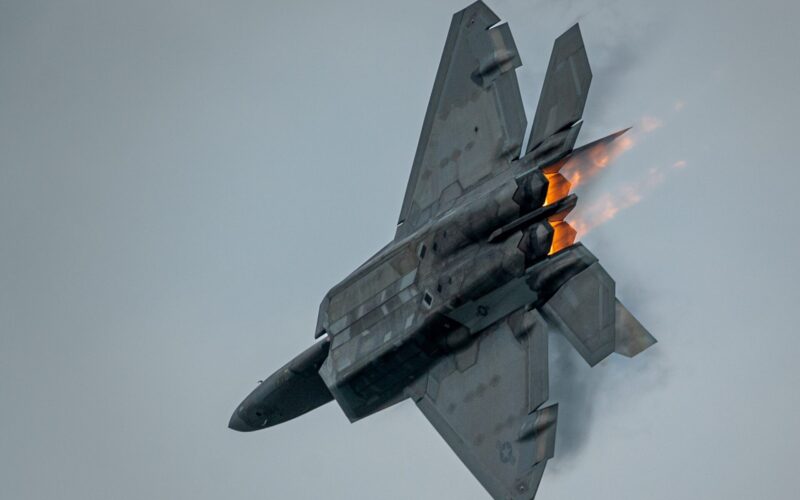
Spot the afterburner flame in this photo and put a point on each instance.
(577, 169)
(557, 188)
(585, 165)
(607, 207)
(563, 236)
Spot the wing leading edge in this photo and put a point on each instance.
(475, 122)
(485, 402)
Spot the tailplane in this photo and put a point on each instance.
(586, 311)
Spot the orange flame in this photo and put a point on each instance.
(578, 169)
(610, 204)
(563, 236)
(605, 209)
(565, 175)
(557, 188)
(582, 167)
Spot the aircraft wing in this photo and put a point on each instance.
(475, 122)
(485, 401)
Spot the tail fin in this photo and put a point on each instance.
(586, 311)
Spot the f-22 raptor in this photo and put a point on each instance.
(454, 312)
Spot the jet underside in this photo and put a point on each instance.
(454, 312)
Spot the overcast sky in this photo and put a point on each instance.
(182, 181)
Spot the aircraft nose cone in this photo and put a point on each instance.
(237, 423)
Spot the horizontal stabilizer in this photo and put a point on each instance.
(586, 311)
(564, 91)
(631, 337)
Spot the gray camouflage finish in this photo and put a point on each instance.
(454, 312)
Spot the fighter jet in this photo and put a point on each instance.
(454, 312)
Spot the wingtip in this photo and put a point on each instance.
(572, 31)
(480, 8)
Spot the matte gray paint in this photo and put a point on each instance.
(148, 152)
(456, 328)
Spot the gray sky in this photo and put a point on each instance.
(181, 182)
